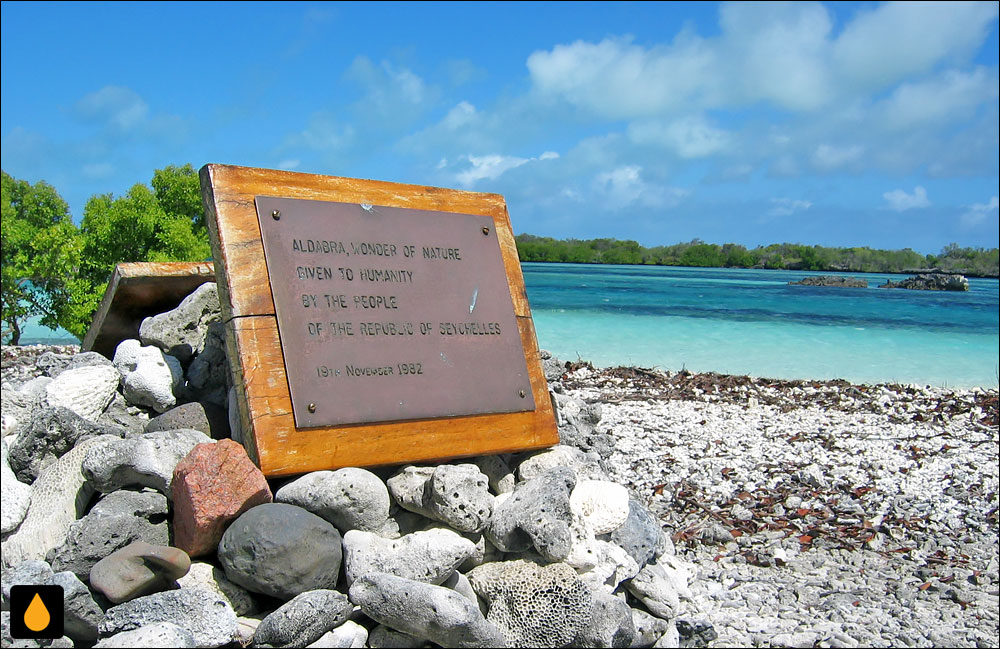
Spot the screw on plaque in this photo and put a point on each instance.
(312, 407)
(486, 231)
(522, 393)
(276, 215)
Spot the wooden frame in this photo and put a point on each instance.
(265, 410)
(136, 291)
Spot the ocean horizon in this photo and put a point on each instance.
(752, 322)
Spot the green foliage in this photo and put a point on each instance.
(39, 252)
(55, 271)
(161, 224)
(977, 262)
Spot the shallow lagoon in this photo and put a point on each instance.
(740, 321)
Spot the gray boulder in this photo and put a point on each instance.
(51, 433)
(158, 634)
(30, 573)
(577, 422)
(121, 413)
(115, 522)
(648, 628)
(537, 513)
(149, 377)
(209, 617)
(456, 494)
(586, 466)
(430, 556)
(640, 535)
(497, 471)
(147, 460)
(610, 624)
(205, 417)
(181, 332)
(17, 407)
(303, 619)
(7, 640)
(208, 374)
(81, 614)
(53, 364)
(281, 550)
(383, 637)
(429, 612)
(351, 498)
(657, 591)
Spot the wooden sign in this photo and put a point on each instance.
(372, 323)
(136, 291)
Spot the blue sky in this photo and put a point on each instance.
(818, 123)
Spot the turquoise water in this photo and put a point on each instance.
(738, 321)
(33, 333)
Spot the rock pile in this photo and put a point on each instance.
(121, 484)
(832, 280)
(931, 282)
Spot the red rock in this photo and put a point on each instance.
(212, 486)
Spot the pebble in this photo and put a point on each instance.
(138, 569)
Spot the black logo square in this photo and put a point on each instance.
(36, 611)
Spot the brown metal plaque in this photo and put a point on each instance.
(388, 314)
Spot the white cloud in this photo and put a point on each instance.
(785, 54)
(978, 212)
(900, 201)
(778, 53)
(114, 106)
(898, 39)
(829, 157)
(462, 114)
(490, 166)
(392, 95)
(689, 137)
(949, 96)
(291, 163)
(617, 79)
(787, 206)
(624, 186)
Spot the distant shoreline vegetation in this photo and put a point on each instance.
(972, 262)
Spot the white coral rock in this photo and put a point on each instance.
(15, 495)
(87, 391)
(150, 376)
(58, 497)
(603, 504)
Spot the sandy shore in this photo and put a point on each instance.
(815, 513)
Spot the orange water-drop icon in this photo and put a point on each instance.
(36, 617)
